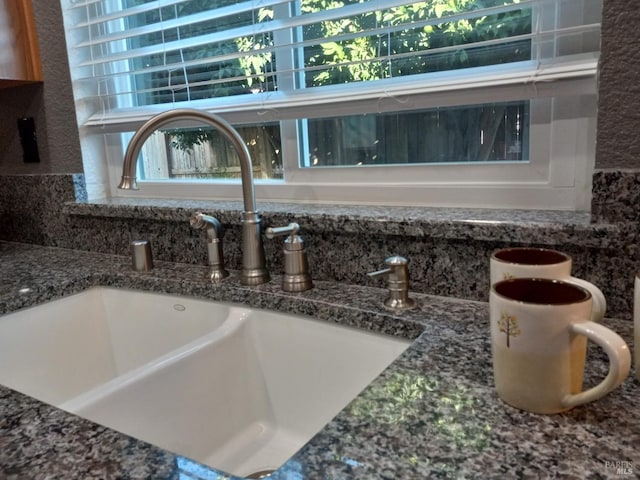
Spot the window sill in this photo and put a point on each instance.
(541, 227)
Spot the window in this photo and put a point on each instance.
(445, 102)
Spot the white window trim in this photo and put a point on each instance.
(565, 186)
(557, 177)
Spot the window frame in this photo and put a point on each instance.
(557, 177)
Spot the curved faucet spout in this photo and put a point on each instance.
(129, 182)
(253, 262)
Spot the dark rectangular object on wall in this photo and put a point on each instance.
(28, 140)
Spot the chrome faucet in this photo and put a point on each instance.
(253, 270)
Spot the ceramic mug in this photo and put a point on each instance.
(528, 262)
(539, 331)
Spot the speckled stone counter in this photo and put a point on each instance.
(432, 414)
(446, 247)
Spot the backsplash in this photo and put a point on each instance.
(616, 196)
(448, 249)
(31, 207)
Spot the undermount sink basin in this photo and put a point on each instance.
(235, 388)
(58, 350)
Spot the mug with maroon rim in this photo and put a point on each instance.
(539, 331)
(530, 262)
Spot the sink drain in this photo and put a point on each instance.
(261, 474)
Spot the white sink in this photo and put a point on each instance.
(65, 347)
(235, 388)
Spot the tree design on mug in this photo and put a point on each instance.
(509, 326)
(507, 276)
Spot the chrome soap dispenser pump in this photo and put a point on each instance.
(397, 273)
(296, 276)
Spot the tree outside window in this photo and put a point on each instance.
(385, 44)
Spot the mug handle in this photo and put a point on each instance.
(599, 303)
(619, 362)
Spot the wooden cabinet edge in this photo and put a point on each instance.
(28, 56)
(9, 83)
(33, 64)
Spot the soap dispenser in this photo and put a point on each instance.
(397, 273)
(296, 276)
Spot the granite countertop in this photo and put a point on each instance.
(432, 413)
(540, 226)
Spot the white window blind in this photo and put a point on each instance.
(284, 56)
(444, 102)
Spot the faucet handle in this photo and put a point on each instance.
(397, 273)
(291, 244)
(296, 276)
(291, 229)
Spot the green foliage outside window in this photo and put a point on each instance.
(404, 47)
(363, 58)
(339, 56)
